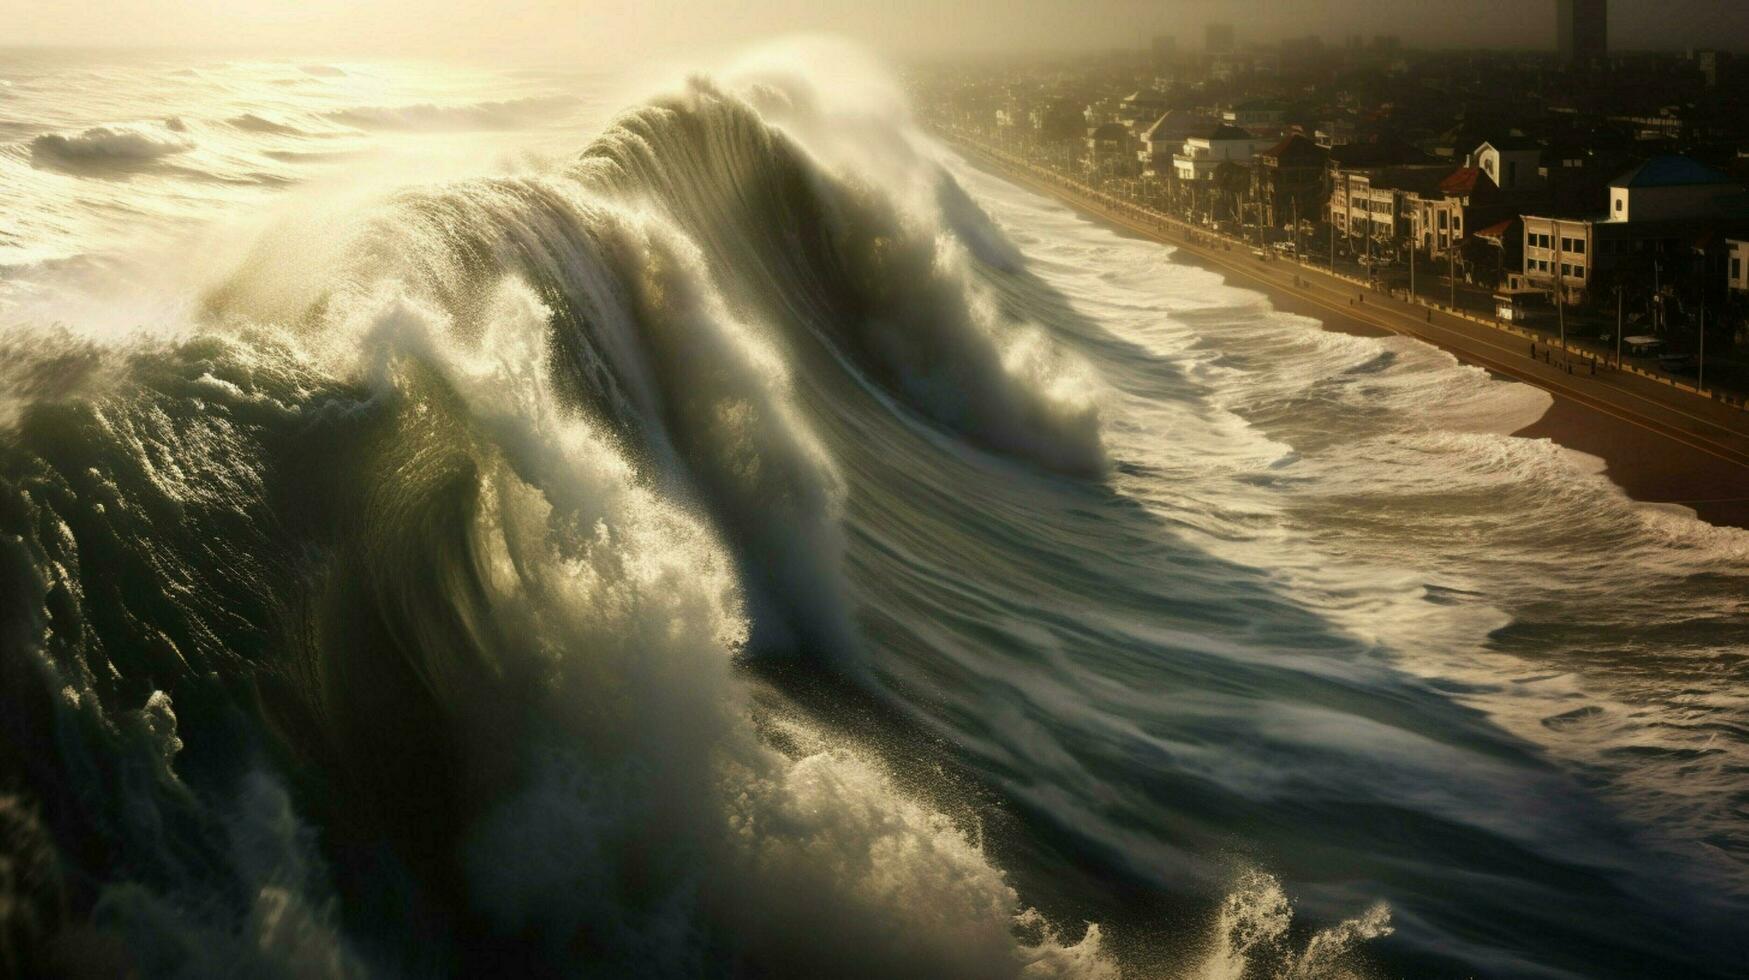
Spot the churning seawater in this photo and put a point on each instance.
(464, 521)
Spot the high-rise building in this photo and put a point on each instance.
(1218, 37)
(1582, 30)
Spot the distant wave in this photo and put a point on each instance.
(120, 146)
(504, 114)
(250, 122)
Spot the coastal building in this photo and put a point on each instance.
(1165, 138)
(1501, 252)
(1465, 199)
(1667, 188)
(1288, 180)
(1377, 203)
(1365, 181)
(1662, 220)
(1201, 154)
(1582, 30)
(1511, 162)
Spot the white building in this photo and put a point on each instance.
(1511, 163)
(1225, 144)
(1557, 249)
(1165, 138)
(1737, 265)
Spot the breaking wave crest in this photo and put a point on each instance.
(413, 577)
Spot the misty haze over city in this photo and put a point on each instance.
(612, 33)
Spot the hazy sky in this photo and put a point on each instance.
(614, 31)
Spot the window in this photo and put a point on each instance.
(1566, 270)
(1736, 269)
(1620, 203)
(1442, 219)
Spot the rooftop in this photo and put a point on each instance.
(1295, 145)
(1670, 171)
(1225, 133)
(1419, 179)
(1172, 125)
(1497, 230)
(1463, 180)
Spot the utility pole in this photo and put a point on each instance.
(1618, 326)
(1296, 202)
(1369, 230)
(1700, 371)
(1348, 209)
(1413, 295)
(1561, 311)
(1657, 297)
(1451, 264)
(1560, 286)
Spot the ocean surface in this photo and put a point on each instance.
(467, 521)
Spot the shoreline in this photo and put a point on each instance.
(1669, 455)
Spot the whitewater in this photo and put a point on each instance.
(465, 521)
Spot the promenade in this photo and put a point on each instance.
(1662, 442)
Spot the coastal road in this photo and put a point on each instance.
(1660, 444)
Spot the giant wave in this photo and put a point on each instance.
(386, 622)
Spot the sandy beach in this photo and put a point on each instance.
(1658, 447)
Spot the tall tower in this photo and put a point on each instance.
(1582, 30)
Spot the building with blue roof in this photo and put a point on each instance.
(1664, 215)
(1667, 188)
